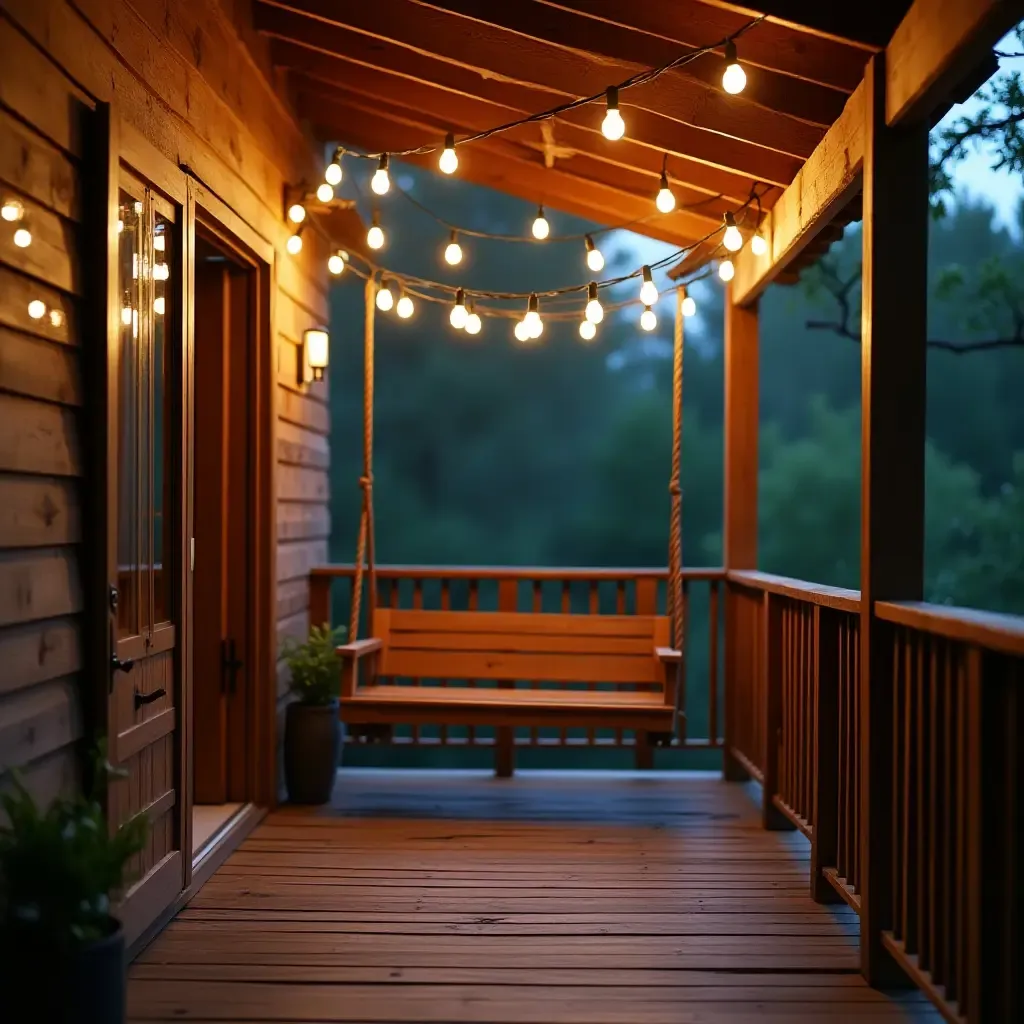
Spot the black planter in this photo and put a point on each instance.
(312, 750)
(76, 986)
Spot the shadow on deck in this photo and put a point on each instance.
(586, 898)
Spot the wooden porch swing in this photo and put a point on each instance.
(532, 664)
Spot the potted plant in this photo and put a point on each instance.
(62, 953)
(312, 728)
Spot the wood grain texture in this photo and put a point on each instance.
(426, 898)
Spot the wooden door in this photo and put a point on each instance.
(146, 517)
(221, 526)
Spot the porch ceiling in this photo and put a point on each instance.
(395, 74)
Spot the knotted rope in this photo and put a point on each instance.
(676, 604)
(365, 545)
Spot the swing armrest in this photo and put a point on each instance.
(360, 648)
(668, 655)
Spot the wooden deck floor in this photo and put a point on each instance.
(428, 897)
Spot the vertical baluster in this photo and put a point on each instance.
(593, 608)
(505, 735)
(771, 672)
(472, 604)
(950, 975)
(962, 880)
(536, 605)
(620, 609)
(446, 606)
(810, 692)
(935, 840)
(898, 782)
(712, 662)
(910, 845)
(824, 808)
(566, 609)
(922, 799)
(646, 604)
(417, 603)
(785, 730)
(842, 832)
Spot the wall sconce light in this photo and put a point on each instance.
(314, 355)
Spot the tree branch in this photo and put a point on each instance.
(957, 348)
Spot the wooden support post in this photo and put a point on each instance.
(739, 533)
(504, 735)
(771, 665)
(893, 363)
(825, 801)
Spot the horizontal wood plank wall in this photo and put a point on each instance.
(196, 80)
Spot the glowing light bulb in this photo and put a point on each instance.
(37, 309)
(120, 225)
(732, 239)
(381, 180)
(648, 320)
(648, 292)
(23, 238)
(294, 244)
(385, 297)
(612, 127)
(375, 236)
(405, 307)
(541, 227)
(296, 213)
(726, 270)
(594, 311)
(126, 315)
(160, 243)
(336, 263)
(587, 330)
(459, 314)
(12, 210)
(56, 318)
(333, 173)
(666, 198)
(689, 306)
(453, 251)
(324, 192)
(595, 258)
(159, 305)
(536, 329)
(522, 332)
(138, 207)
(532, 318)
(161, 271)
(449, 161)
(734, 78)
(473, 323)
(758, 245)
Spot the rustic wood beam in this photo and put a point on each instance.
(495, 164)
(619, 41)
(893, 368)
(828, 181)
(935, 47)
(498, 52)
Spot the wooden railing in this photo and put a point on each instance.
(584, 591)
(793, 712)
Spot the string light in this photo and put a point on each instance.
(12, 210)
(159, 305)
(689, 306)
(758, 245)
(159, 243)
(726, 270)
(23, 238)
(37, 309)
(56, 318)
(459, 314)
(666, 199)
(587, 330)
(381, 180)
(541, 227)
(732, 239)
(453, 251)
(734, 78)
(532, 321)
(648, 320)
(648, 292)
(296, 213)
(294, 244)
(594, 311)
(336, 263)
(473, 322)
(375, 236)
(126, 315)
(120, 225)
(385, 297)
(333, 173)
(449, 161)
(161, 271)
(325, 192)
(595, 258)
(521, 331)
(405, 307)
(612, 127)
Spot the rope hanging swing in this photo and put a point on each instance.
(365, 564)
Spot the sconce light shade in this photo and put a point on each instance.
(315, 343)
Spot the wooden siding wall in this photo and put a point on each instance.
(194, 79)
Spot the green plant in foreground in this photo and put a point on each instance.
(314, 664)
(60, 866)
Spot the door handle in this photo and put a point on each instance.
(117, 665)
(148, 698)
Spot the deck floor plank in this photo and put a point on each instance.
(549, 899)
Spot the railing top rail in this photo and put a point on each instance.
(991, 630)
(838, 598)
(504, 572)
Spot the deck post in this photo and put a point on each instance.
(504, 735)
(893, 364)
(825, 801)
(739, 533)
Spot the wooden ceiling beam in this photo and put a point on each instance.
(578, 29)
(499, 52)
(499, 165)
(710, 163)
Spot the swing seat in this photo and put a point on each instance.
(511, 669)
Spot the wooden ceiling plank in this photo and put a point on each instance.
(824, 185)
(935, 47)
(500, 52)
(709, 162)
(578, 28)
(772, 46)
